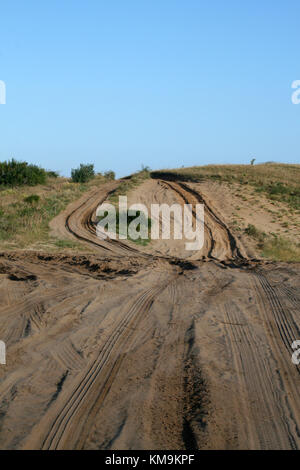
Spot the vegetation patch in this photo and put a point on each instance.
(32, 199)
(253, 232)
(142, 225)
(279, 182)
(128, 184)
(83, 174)
(25, 212)
(281, 249)
(274, 247)
(68, 244)
(109, 175)
(13, 173)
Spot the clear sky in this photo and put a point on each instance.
(164, 83)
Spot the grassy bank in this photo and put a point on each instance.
(25, 212)
(281, 249)
(273, 246)
(277, 181)
(128, 184)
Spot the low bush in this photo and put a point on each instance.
(253, 232)
(83, 174)
(52, 174)
(110, 175)
(33, 198)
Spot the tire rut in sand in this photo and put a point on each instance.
(266, 406)
(221, 244)
(68, 425)
(81, 224)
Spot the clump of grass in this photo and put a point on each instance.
(281, 249)
(32, 199)
(273, 246)
(253, 232)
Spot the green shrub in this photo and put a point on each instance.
(52, 174)
(83, 174)
(32, 199)
(253, 232)
(13, 173)
(110, 175)
(146, 168)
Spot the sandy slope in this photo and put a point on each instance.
(135, 348)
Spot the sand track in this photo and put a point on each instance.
(142, 348)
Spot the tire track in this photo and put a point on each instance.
(268, 403)
(80, 223)
(286, 326)
(69, 427)
(222, 244)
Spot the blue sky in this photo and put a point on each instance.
(163, 83)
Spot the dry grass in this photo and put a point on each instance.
(281, 249)
(264, 173)
(278, 181)
(25, 212)
(129, 184)
(274, 247)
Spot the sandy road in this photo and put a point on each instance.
(139, 348)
